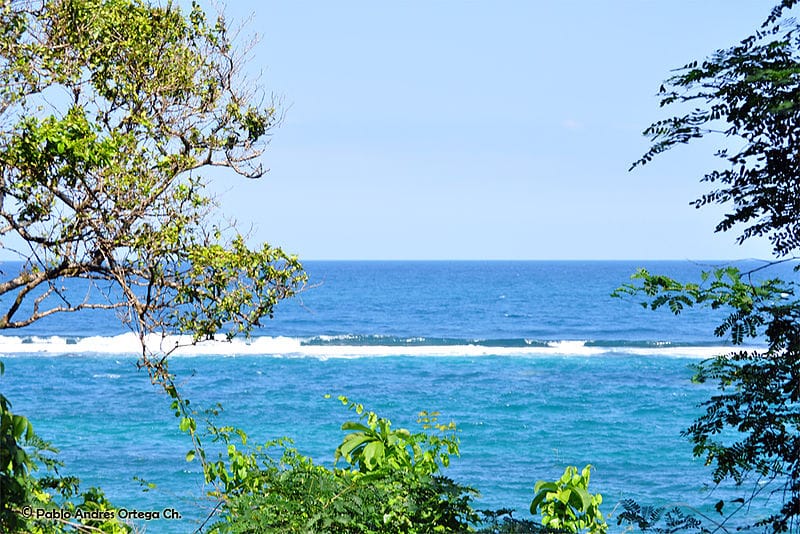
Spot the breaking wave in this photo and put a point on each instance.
(351, 346)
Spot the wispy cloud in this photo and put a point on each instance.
(572, 124)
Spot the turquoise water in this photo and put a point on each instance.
(534, 361)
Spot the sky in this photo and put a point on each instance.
(480, 129)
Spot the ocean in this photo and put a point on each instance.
(536, 363)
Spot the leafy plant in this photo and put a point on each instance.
(391, 487)
(22, 493)
(567, 505)
(375, 446)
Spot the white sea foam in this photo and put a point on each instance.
(182, 346)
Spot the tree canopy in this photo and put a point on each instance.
(750, 95)
(109, 113)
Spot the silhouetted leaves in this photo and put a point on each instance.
(659, 520)
(750, 95)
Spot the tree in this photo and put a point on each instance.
(750, 95)
(110, 111)
(751, 426)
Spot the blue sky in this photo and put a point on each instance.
(480, 130)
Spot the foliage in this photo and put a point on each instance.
(111, 111)
(109, 114)
(502, 521)
(753, 305)
(566, 503)
(750, 95)
(257, 490)
(759, 391)
(314, 499)
(21, 453)
(375, 447)
(648, 519)
(752, 425)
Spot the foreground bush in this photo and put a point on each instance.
(390, 482)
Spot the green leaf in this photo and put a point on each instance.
(353, 425)
(536, 502)
(373, 454)
(350, 442)
(580, 499)
(543, 485)
(20, 426)
(185, 424)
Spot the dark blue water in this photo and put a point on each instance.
(534, 361)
